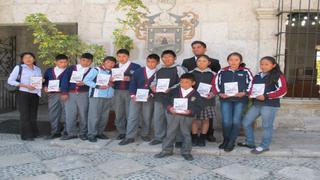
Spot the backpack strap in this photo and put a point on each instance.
(19, 74)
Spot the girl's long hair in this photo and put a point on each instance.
(27, 53)
(275, 73)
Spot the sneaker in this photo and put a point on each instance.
(83, 137)
(155, 142)
(126, 141)
(64, 137)
(163, 154)
(178, 145)
(259, 150)
(92, 139)
(121, 136)
(187, 157)
(243, 144)
(102, 136)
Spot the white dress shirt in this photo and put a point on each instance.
(26, 74)
(58, 71)
(150, 72)
(185, 92)
(124, 66)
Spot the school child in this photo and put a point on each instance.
(100, 98)
(141, 104)
(269, 86)
(204, 77)
(52, 77)
(75, 96)
(27, 95)
(122, 96)
(169, 71)
(180, 120)
(232, 84)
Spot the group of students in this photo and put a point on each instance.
(179, 112)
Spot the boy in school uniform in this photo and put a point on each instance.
(180, 119)
(75, 95)
(100, 98)
(172, 72)
(121, 95)
(52, 85)
(141, 80)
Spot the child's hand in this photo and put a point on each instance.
(64, 97)
(153, 88)
(111, 79)
(126, 78)
(45, 89)
(167, 91)
(240, 94)
(103, 87)
(261, 98)
(172, 110)
(223, 96)
(29, 87)
(80, 83)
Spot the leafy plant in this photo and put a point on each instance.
(134, 10)
(51, 41)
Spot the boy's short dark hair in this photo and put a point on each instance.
(123, 51)
(169, 52)
(110, 58)
(62, 57)
(154, 56)
(189, 76)
(87, 56)
(199, 42)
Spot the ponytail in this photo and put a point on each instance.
(275, 73)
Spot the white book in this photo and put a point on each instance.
(180, 105)
(36, 82)
(117, 74)
(142, 95)
(231, 88)
(103, 79)
(257, 90)
(54, 86)
(76, 76)
(162, 85)
(204, 89)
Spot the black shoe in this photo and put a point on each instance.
(229, 147)
(83, 137)
(126, 141)
(178, 145)
(211, 138)
(102, 136)
(243, 144)
(259, 150)
(155, 142)
(195, 139)
(187, 157)
(121, 136)
(27, 139)
(67, 137)
(52, 136)
(163, 154)
(92, 139)
(145, 138)
(223, 144)
(202, 140)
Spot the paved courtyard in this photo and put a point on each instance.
(294, 155)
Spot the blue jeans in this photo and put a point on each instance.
(231, 112)
(268, 114)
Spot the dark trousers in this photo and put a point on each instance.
(28, 108)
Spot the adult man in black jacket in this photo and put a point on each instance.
(199, 48)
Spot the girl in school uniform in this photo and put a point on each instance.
(28, 95)
(269, 86)
(232, 84)
(203, 76)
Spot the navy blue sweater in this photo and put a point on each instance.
(242, 76)
(50, 75)
(194, 101)
(67, 86)
(139, 80)
(124, 85)
(272, 92)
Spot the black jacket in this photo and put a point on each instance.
(191, 64)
